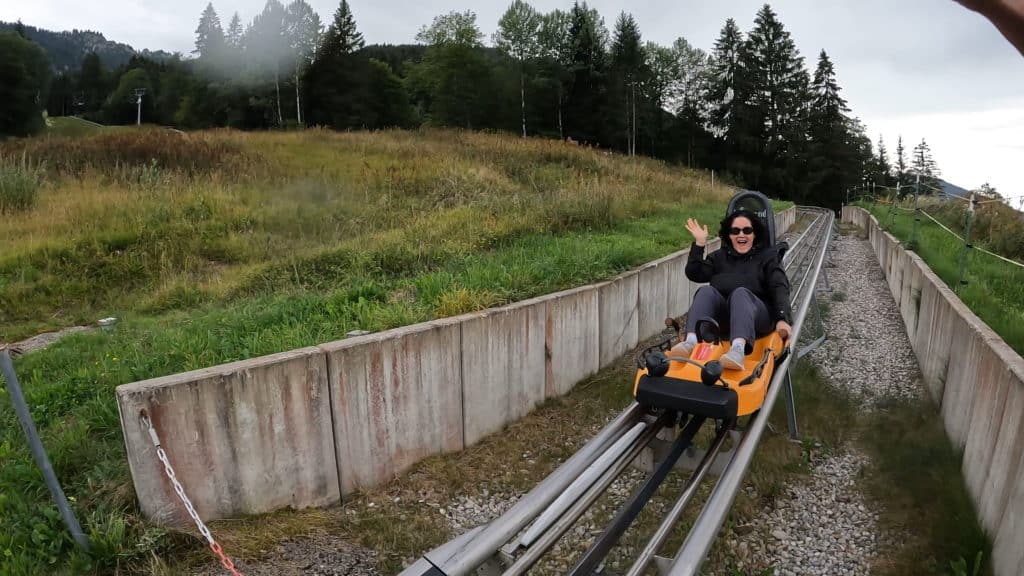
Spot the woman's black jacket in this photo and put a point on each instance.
(759, 271)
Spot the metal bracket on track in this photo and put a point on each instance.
(692, 456)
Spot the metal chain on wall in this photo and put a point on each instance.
(169, 470)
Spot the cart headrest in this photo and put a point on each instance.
(757, 204)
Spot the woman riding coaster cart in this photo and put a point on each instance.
(747, 289)
(748, 295)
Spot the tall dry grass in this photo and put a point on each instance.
(133, 220)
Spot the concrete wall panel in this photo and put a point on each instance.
(678, 286)
(503, 366)
(572, 339)
(1008, 541)
(619, 316)
(397, 398)
(988, 403)
(958, 397)
(244, 438)
(652, 299)
(932, 350)
(1006, 460)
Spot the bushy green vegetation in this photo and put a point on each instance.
(994, 289)
(24, 85)
(996, 226)
(218, 246)
(19, 185)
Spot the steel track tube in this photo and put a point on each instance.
(580, 485)
(548, 539)
(665, 528)
(687, 562)
(465, 560)
(597, 552)
(793, 248)
(807, 270)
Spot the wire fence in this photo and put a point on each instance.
(871, 195)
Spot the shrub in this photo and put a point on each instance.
(19, 185)
(133, 155)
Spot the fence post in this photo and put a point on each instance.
(967, 244)
(892, 207)
(917, 214)
(38, 452)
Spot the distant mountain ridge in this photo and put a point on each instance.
(954, 189)
(67, 49)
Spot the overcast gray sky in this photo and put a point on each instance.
(917, 68)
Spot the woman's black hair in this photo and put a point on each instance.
(760, 230)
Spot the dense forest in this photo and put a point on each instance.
(66, 49)
(750, 109)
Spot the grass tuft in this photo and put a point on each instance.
(916, 473)
(19, 184)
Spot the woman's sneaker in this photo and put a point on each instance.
(684, 348)
(733, 359)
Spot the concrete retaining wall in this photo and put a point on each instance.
(307, 427)
(976, 379)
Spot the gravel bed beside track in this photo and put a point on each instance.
(825, 526)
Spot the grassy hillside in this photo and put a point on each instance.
(217, 246)
(71, 126)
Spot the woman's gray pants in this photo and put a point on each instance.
(745, 315)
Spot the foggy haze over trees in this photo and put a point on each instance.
(752, 108)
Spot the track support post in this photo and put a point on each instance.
(794, 432)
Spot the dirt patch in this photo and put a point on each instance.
(318, 555)
(45, 339)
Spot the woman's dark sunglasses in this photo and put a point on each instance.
(748, 230)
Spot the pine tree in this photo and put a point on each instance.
(727, 96)
(882, 168)
(209, 35)
(901, 163)
(627, 74)
(266, 43)
(923, 166)
(725, 80)
(627, 59)
(517, 38)
(233, 37)
(24, 85)
(587, 67)
(838, 149)
(92, 84)
(340, 81)
(779, 93)
(826, 99)
(341, 37)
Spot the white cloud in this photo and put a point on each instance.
(970, 148)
